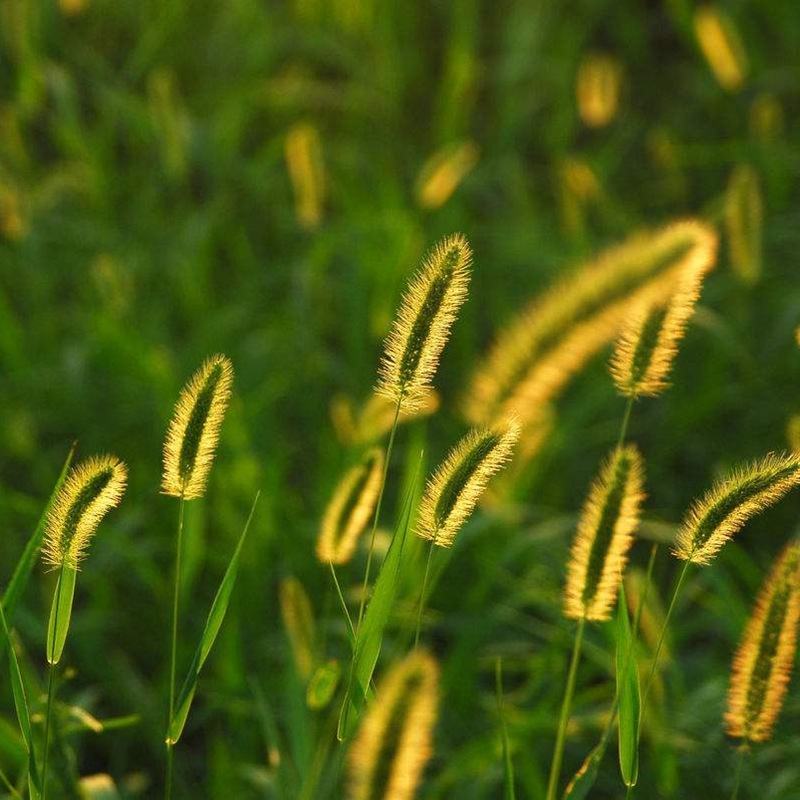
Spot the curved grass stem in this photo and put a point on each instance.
(422, 594)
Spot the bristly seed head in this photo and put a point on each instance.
(605, 534)
(91, 489)
(762, 666)
(422, 325)
(731, 502)
(454, 489)
(193, 432)
(394, 742)
(350, 509)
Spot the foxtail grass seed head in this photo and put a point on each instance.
(648, 344)
(731, 502)
(443, 172)
(536, 355)
(605, 534)
(303, 152)
(744, 214)
(298, 620)
(395, 740)
(721, 46)
(350, 509)
(422, 325)
(454, 489)
(597, 89)
(91, 489)
(193, 432)
(763, 663)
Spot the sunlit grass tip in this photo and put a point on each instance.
(731, 502)
(423, 322)
(193, 432)
(646, 349)
(454, 489)
(763, 663)
(605, 534)
(90, 490)
(395, 740)
(350, 509)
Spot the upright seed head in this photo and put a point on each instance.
(193, 432)
(721, 46)
(597, 89)
(91, 489)
(605, 534)
(350, 509)
(422, 326)
(731, 502)
(648, 344)
(454, 489)
(762, 666)
(394, 742)
(744, 216)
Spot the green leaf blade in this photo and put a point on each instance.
(629, 696)
(60, 614)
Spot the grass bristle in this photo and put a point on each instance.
(605, 533)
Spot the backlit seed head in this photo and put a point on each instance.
(721, 46)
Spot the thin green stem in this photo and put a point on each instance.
(7, 783)
(376, 517)
(176, 592)
(508, 764)
(737, 777)
(350, 627)
(558, 752)
(623, 431)
(422, 593)
(50, 687)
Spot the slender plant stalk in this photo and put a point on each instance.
(376, 517)
(3, 777)
(558, 752)
(51, 673)
(626, 418)
(174, 645)
(7, 783)
(737, 778)
(422, 593)
(350, 627)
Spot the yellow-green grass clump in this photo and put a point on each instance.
(193, 432)
(536, 355)
(350, 509)
(763, 663)
(91, 489)
(731, 502)
(605, 534)
(454, 489)
(423, 322)
(394, 743)
(648, 344)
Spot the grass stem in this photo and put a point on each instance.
(737, 777)
(422, 594)
(350, 627)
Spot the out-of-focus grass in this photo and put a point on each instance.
(148, 218)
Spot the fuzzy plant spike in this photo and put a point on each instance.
(193, 432)
(605, 534)
(395, 740)
(91, 489)
(423, 322)
(350, 509)
(455, 488)
(763, 663)
(731, 502)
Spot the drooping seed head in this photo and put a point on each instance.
(350, 509)
(731, 502)
(422, 326)
(605, 533)
(395, 741)
(648, 344)
(91, 489)
(193, 432)
(535, 356)
(454, 489)
(763, 663)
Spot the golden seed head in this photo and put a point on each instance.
(605, 533)
(744, 214)
(454, 489)
(193, 432)
(443, 172)
(763, 663)
(303, 152)
(422, 325)
(647, 347)
(298, 620)
(537, 354)
(350, 509)
(721, 46)
(731, 502)
(395, 740)
(597, 89)
(91, 489)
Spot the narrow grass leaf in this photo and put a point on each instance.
(60, 613)
(584, 779)
(628, 693)
(370, 636)
(214, 622)
(323, 684)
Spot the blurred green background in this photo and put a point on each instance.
(259, 178)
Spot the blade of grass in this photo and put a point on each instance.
(508, 764)
(60, 614)
(370, 635)
(628, 693)
(213, 624)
